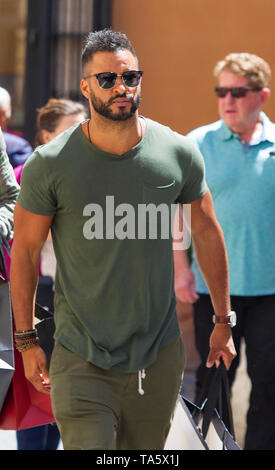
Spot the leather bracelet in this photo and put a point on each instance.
(25, 339)
(22, 346)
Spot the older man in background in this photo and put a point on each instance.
(239, 155)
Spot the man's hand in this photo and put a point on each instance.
(36, 369)
(185, 287)
(221, 346)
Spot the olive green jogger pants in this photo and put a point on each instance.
(97, 409)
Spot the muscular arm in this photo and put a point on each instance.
(209, 245)
(30, 233)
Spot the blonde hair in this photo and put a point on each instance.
(255, 69)
(50, 115)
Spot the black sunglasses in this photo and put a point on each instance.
(236, 92)
(107, 80)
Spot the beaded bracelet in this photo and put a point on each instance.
(25, 339)
(31, 332)
(24, 346)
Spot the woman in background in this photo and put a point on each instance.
(55, 117)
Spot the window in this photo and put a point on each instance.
(12, 56)
(71, 20)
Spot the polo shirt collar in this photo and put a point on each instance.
(268, 133)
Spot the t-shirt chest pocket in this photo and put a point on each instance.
(158, 194)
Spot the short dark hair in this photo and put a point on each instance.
(105, 40)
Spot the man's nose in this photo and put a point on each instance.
(119, 85)
(228, 97)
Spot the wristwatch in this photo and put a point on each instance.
(229, 319)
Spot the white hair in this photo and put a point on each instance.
(5, 101)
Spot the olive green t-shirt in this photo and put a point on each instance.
(114, 293)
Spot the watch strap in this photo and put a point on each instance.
(225, 319)
(229, 319)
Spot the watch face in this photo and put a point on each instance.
(233, 319)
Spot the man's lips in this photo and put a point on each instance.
(121, 101)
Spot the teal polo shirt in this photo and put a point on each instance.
(241, 178)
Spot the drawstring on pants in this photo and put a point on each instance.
(141, 376)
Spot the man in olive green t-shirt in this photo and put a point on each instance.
(107, 188)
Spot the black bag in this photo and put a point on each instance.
(45, 292)
(44, 311)
(45, 329)
(208, 426)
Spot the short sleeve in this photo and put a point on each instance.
(195, 185)
(37, 193)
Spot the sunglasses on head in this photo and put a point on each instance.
(107, 80)
(236, 92)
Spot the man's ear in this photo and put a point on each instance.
(265, 95)
(46, 136)
(84, 87)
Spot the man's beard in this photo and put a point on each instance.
(104, 109)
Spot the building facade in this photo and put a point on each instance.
(177, 42)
